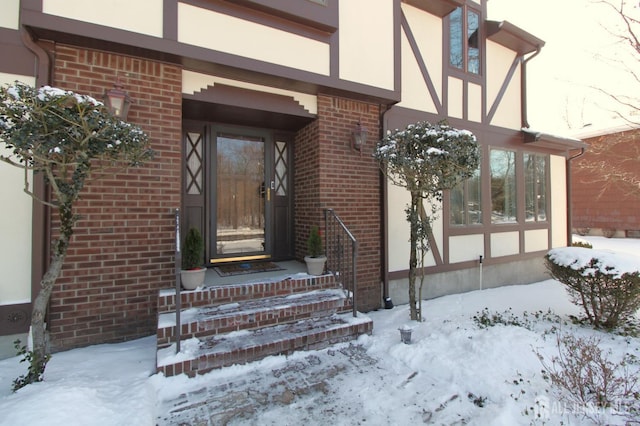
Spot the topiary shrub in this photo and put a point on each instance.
(193, 252)
(314, 243)
(605, 285)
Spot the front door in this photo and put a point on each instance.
(245, 210)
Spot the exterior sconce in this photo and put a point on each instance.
(117, 101)
(359, 138)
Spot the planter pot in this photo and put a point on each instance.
(315, 265)
(405, 335)
(193, 278)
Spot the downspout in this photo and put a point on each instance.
(523, 89)
(569, 209)
(384, 225)
(42, 65)
(40, 219)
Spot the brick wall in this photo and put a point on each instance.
(330, 174)
(122, 249)
(596, 204)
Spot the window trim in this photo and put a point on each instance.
(517, 156)
(463, 72)
(546, 171)
(466, 199)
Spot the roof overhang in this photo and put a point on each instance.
(508, 35)
(547, 141)
(439, 8)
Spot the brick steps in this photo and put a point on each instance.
(203, 355)
(211, 296)
(236, 324)
(249, 314)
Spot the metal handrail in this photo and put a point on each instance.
(178, 263)
(338, 240)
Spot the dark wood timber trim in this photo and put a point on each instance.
(436, 7)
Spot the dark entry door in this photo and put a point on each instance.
(238, 191)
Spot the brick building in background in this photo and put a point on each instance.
(606, 184)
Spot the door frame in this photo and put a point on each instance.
(200, 210)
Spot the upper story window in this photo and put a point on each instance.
(464, 40)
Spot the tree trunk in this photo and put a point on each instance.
(414, 217)
(40, 347)
(39, 311)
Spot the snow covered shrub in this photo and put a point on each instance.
(486, 319)
(583, 231)
(606, 285)
(588, 381)
(584, 244)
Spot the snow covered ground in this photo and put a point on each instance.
(453, 372)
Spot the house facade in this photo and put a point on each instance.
(251, 106)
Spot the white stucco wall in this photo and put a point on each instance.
(224, 33)
(474, 107)
(466, 247)
(536, 240)
(15, 226)
(455, 98)
(398, 232)
(499, 61)
(10, 14)
(366, 42)
(427, 31)
(139, 16)
(558, 177)
(505, 243)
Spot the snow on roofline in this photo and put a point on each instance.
(587, 133)
(546, 140)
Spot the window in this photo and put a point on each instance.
(535, 185)
(464, 40)
(465, 202)
(503, 186)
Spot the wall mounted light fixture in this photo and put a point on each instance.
(359, 137)
(117, 101)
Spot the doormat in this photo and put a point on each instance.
(246, 268)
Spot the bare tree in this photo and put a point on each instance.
(614, 160)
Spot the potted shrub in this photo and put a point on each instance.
(315, 260)
(193, 272)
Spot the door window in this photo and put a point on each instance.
(240, 194)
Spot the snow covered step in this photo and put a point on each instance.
(199, 356)
(248, 314)
(216, 295)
